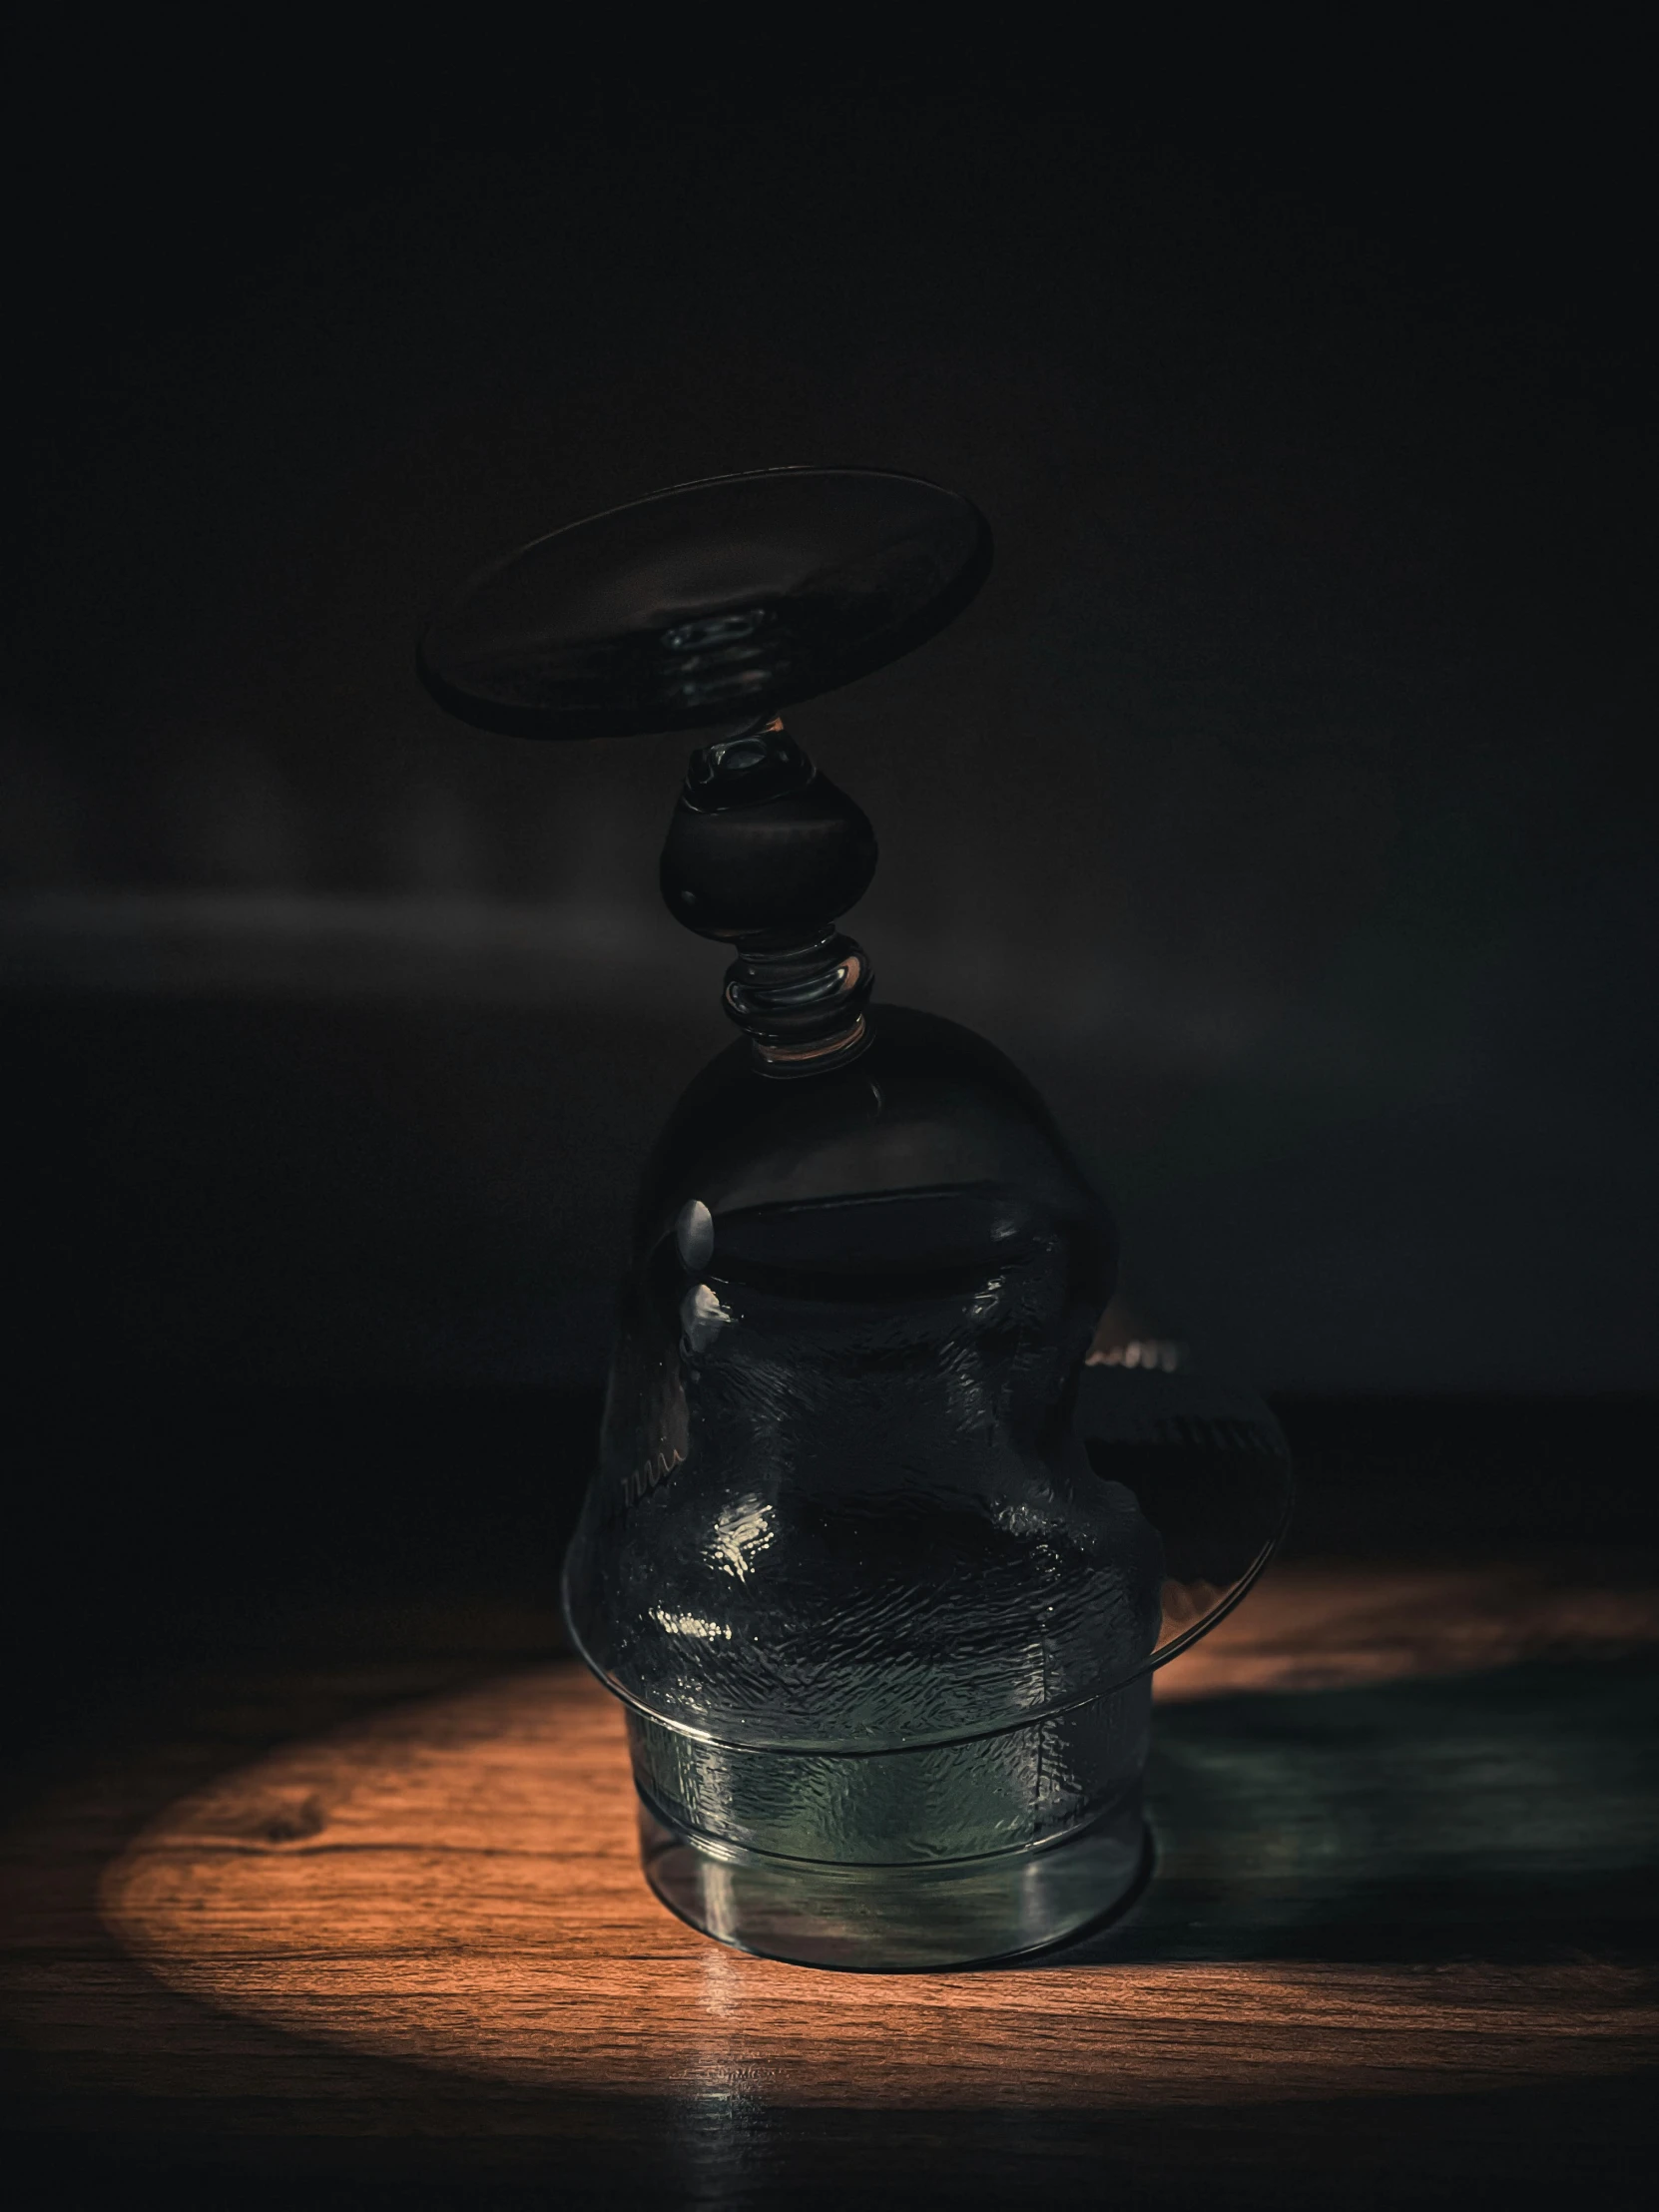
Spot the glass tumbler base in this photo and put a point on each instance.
(895, 1918)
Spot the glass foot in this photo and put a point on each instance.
(897, 1918)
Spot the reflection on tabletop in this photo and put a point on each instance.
(1404, 1817)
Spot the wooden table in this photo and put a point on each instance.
(367, 1931)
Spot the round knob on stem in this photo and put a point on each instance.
(766, 854)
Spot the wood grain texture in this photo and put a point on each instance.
(1405, 1824)
(455, 1884)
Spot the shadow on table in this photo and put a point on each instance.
(1504, 1816)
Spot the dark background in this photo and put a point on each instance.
(1286, 804)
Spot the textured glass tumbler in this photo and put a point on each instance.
(883, 1625)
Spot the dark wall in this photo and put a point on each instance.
(1285, 803)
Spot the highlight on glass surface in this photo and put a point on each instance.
(883, 1545)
